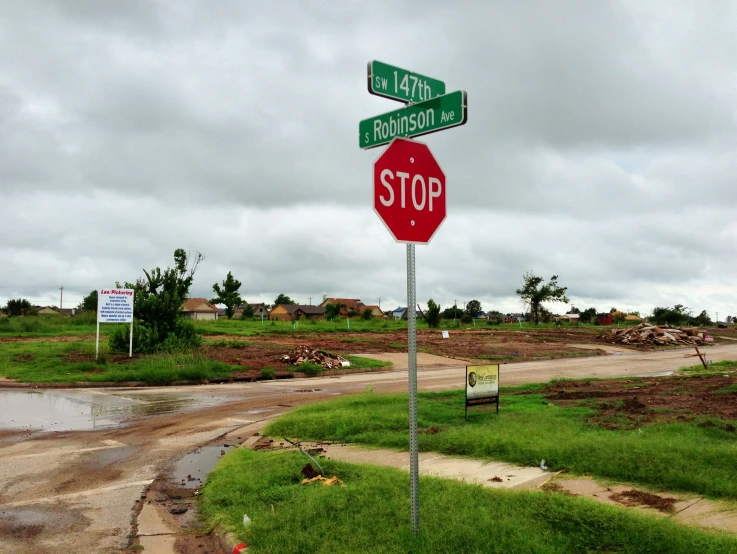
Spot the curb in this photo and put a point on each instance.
(229, 543)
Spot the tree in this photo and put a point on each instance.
(228, 294)
(452, 313)
(158, 322)
(353, 312)
(283, 299)
(432, 315)
(473, 308)
(588, 315)
(703, 319)
(535, 291)
(332, 310)
(618, 317)
(573, 310)
(367, 314)
(247, 311)
(677, 315)
(89, 303)
(21, 306)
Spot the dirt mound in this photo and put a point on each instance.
(646, 334)
(634, 497)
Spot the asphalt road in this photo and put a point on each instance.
(71, 481)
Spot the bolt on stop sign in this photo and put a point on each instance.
(409, 191)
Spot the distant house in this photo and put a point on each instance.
(47, 310)
(604, 319)
(632, 317)
(346, 305)
(570, 318)
(399, 313)
(290, 312)
(375, 311)
(258, 310)
(199, 309)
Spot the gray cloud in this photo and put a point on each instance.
(601, 146)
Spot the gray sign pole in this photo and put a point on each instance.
(414, 483)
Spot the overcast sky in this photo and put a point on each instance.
(601, 146)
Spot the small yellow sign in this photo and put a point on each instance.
(482, 382)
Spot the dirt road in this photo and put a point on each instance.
(77, 491)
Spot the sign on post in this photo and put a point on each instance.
(409, 191)
(114, 306)
(430, 116)
(482, 385)
(400, 84)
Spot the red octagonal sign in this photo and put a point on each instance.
(409, 191)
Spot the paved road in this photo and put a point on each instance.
(77, 490)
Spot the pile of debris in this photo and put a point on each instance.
(648, 334)
(305, 354)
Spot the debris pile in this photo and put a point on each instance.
(645, 333)
(305, 354)
(329, 482)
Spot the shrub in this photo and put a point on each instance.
(268, 372)
(311, 369)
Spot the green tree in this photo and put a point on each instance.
(618, 317)
(228, 294)
(588, 315)
(247, 311)
(20, 306)
(332, 310)
(367, 314)
(677, 315)
(158, 323)
(703, 319)
(283, 299)
(535, 291)
(452, 313)
(432, 315)
(353, 312)
(89, 303)
(473, 308)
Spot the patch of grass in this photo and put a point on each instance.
(310, 369)
(359, 362)
(371, 513)
(398, 345)
(268, 373)
(64, 362)
(494, 357)
(675, 455)
(716, 367)
(46, 326)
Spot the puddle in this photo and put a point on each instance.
(262, 410)
(661, 374)
(191, 471)
(87, 410)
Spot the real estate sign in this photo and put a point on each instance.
(482, 385)
(114, 306)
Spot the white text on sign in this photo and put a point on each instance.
(432, 189)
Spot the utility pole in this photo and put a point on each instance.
(61, 296)
(455, 309)
(310, 300)
(717, 321)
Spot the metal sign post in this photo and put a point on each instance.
(414, 469)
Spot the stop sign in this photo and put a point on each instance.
(409, 191)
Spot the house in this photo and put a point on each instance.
(632, 317)
(199, 309)
(293, 312)
(375, 311)
(604, 319)
(570, 318)
(259, 310)
(399, 313)
(47, 310)
(346, 305)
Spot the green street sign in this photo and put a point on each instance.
(400, 84)
(414, 120)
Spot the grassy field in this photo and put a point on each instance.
(678, 456)
(65, 362)
(370, 513)
(43, 326)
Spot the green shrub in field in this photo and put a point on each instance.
(268, 372)
(159, 325)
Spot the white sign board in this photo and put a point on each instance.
(115, 306)
(446, 335)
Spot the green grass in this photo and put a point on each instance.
(359, 362)
(716, 367)
(47, 326)
(673, 456)
(371, 514)
(46, 362)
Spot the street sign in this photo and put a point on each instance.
(400, 84)
(409, 191)
(430, 116)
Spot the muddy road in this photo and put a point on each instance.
(74, 463)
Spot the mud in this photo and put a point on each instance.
(627, 403)
(641, 498)
(192, 470)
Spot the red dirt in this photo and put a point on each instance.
(625, 404)
(641, 498)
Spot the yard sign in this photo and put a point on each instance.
(482, 385)
(114, 306)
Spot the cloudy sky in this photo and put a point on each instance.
(601, 146)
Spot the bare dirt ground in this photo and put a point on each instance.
(78, 491)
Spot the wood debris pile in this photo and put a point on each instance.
(305, 354)
(648, 334)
